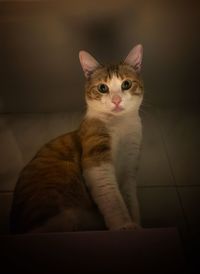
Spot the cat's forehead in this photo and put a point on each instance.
(109, 72)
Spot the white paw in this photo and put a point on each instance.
(130, 226)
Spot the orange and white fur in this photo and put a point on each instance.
(86, 179)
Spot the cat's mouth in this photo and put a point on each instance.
(117, 108)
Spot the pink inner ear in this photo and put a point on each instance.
(88, 63)
(134, 58)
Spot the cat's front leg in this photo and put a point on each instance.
(101, 182)
(128, 189)
(130, 196)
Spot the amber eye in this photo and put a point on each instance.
(103, 88)
(126, 85)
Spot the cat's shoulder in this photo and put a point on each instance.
(91, 126)
(60, 145)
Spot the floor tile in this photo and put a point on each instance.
(154, 167)
(11, 160)
(160, 207)
(5, 200)
(190, 199)
(22, 135)
(181, 133)
(32, 131)
(61, 123)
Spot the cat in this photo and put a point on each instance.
(86, 179)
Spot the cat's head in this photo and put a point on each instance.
(113, 89)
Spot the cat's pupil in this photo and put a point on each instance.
(103, 88)
(126, 84)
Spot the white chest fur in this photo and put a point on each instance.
(126, 135)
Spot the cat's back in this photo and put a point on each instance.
(63, 150)
(50, 182)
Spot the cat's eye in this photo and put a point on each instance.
(103, 88)
(126, 84)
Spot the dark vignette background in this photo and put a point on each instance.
(40, 40)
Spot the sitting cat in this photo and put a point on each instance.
(85, 179)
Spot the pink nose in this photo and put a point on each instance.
(116, 99)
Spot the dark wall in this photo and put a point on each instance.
(40, 40)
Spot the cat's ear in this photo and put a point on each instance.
(88, 63)
(134, 58)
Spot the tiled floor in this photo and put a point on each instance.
(168, 179)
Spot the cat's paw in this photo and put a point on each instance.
(130, 226)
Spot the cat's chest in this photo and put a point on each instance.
(125, 139)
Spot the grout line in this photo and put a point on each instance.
(42, 112)
(194, 185)
(162, 186)
(156, 186)
(172, 171)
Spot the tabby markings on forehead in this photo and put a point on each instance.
(105, 73)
